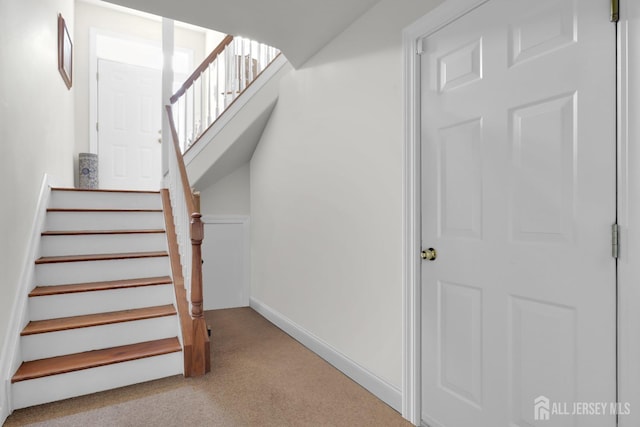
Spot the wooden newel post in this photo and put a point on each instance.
(196, 200)
(200, 354)
(197, 234)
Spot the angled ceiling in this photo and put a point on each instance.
(299, 28)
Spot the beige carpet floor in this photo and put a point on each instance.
(260, 377)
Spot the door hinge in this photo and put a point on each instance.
(420, 47)
(97, 127)
(615, 240)
(615, 10)
(97, 76)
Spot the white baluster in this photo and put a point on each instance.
(209, 118)
(242, 69)
(250, 75)
(227, 73)
(202, 125)
(217, 87)
(193, 115)
(183, 146)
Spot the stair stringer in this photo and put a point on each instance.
(10, 353)
(180, 293)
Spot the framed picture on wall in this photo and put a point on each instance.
(65, 52)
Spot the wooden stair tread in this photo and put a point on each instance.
(88, 190)
(40, 291)
(100, 257)
(75, 322)
(100, 210)
(89, 232)
(95, 358)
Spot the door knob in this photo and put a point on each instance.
(429, 254)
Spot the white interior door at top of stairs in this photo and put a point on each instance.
(129, 126)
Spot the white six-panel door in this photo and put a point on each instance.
(129, 120)
(518, 198)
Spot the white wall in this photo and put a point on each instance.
(36, 130)
(105, 19)
(212, 40)
(326, 193)
(229, 195)
(225, 268)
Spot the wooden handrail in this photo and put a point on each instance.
(183, 170)
(197, 356)
(203, 66)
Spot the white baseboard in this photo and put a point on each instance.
(4, 414)
(386, 392)
(10, 350)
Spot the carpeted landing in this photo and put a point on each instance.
(259, 377)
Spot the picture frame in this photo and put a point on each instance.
(65, 52)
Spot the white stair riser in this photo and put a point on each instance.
(97, 271)
(63, 386)
(57, 221)
(52, 344)
(67, 305)
(102, 244)
(104, 200)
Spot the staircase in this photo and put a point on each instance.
(102, 314)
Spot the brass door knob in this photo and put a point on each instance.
(429, 254)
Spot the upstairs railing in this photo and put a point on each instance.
(189, 232)
(215, 84)
(203, 97)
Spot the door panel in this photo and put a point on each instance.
(544, 146)
(518, 193)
